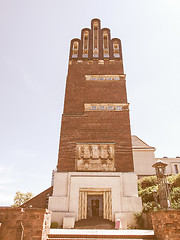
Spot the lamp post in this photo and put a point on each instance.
(164, 196)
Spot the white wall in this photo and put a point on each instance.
(123, 187)
(143, 161)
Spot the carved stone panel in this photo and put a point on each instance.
(95, 157)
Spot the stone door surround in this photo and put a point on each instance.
(107, 201)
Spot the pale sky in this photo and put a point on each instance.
(34, 50)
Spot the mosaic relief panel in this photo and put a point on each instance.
(95, 157)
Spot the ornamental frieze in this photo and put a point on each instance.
(95, 157)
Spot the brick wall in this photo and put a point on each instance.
(31, 223)
(166, 224)
(79, 126)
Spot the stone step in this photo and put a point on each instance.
(98, 238)
(94, 234)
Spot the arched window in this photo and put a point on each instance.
(75, 50)
(85, 44)
(116, 49)
(95, 40)
(105, 44)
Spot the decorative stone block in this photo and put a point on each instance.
(68, 222)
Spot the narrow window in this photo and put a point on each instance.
(85, 44)
(95, 40)
(116, 50)
(116, 78)
(93, 107)
(105, 44)
(176, 168)
(102, 107)
(110, 108)
(75, 50)
(101, 78)
(118, 108)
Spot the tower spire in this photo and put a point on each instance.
(95, 43)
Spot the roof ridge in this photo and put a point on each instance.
(140, 140)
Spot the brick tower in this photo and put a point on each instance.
(95, 173)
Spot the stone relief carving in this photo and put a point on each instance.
(95, 157)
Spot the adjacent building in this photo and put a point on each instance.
(144, 158)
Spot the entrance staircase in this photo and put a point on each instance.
(99, 234)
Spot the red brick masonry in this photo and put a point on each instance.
(166, 224)
(81, 126)
(33, 224)
(40, 200)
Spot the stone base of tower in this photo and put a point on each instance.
(82, 195)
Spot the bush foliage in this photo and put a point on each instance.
(54, 225)
(148, 182)
(147, 186)
(147, 194)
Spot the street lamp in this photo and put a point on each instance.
(164, 197)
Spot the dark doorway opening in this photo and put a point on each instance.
(94, 206)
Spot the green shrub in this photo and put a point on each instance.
(175, 205)
(150, 206)
(176, 180)
(54, 225)
(139, 186)
(131, 227)
(175, 194)
(147, 194)
(148, 182)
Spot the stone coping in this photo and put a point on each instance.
(84, 232)
(166, 211)
(15, 209)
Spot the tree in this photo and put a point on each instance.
(21, 198)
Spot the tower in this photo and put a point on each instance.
(95, 173)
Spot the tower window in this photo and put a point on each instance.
(110, 107)
(118, 108)
(102, 78)
(75, 50)
(176, 168)
(106, 106)
(105, 44)
(93, 107)
(85, 44)
(102, 107)
(116, 50)
(95, 40)
(116, 78)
